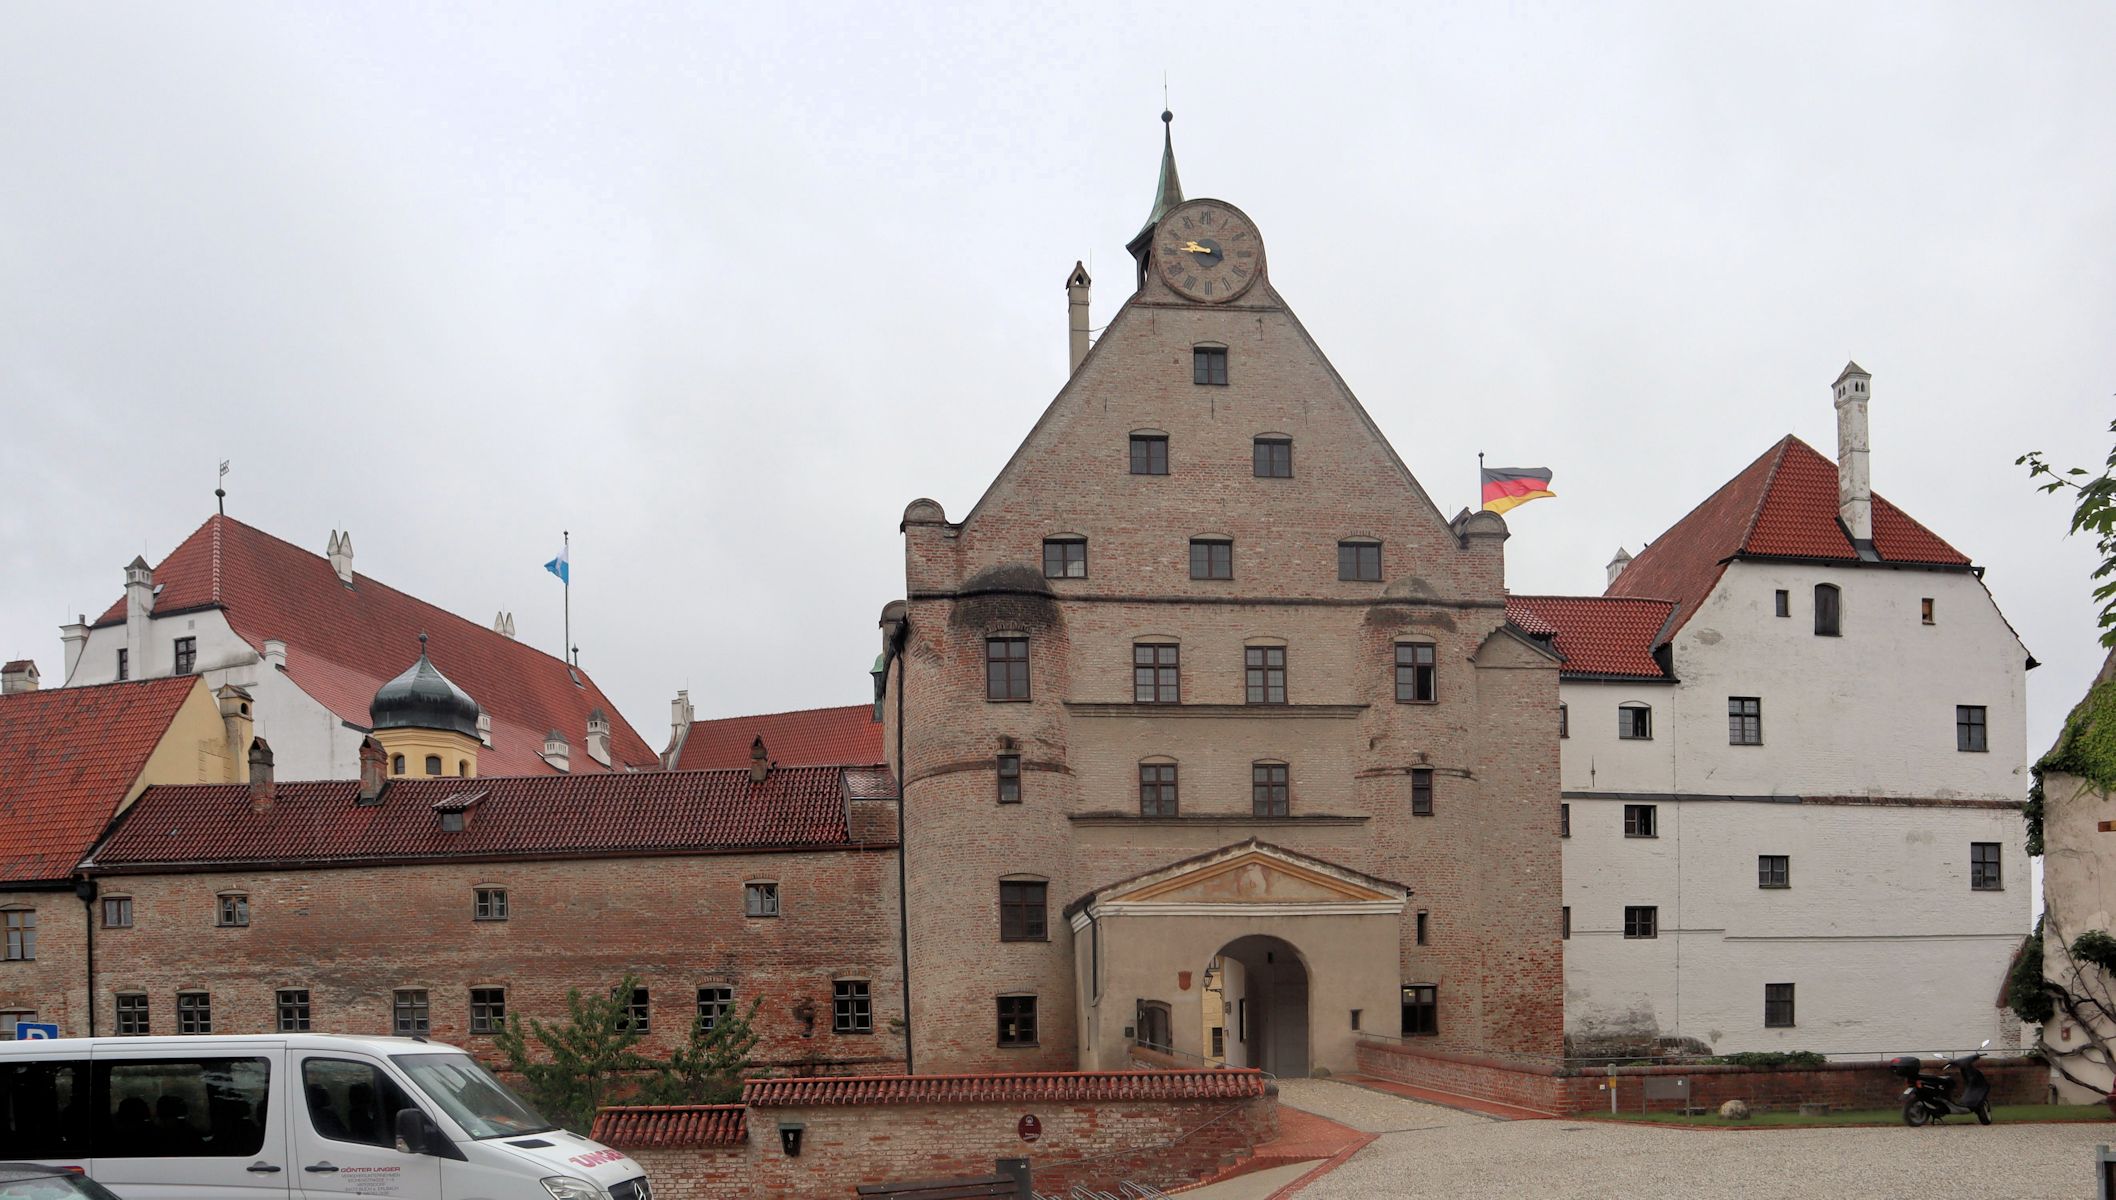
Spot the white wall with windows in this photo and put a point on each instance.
(1888, 945)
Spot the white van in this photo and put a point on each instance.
(294, 1116)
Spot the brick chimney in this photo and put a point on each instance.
(261, 786)
(139, 618)
(236, 720)
(599, 736)
(1855, 499)
(1618, 563)
(18, 676)
(374, 771)
(759, 762)
(1076, 286)
(557, 751)
(341, 556)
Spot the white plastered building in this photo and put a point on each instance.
(1792, 764)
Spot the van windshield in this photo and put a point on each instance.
(479, 1103)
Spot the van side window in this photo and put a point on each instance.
(182, 1108)
(41, 1107)
(352, 1101)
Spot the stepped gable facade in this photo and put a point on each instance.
(1217, 739)
(312, 640)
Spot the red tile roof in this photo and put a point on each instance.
(1035, 1088)
(669, 1126)
(1603, 636)
(345, 642)
(68, 757)
(321, 824)
(812, 737)
(1783, 505)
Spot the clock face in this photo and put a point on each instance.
(1208, 251)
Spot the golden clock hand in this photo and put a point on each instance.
(1194, 248)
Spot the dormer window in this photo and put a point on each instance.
(452, 822)
(1208, 365)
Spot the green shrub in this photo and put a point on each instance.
(1770, 1058)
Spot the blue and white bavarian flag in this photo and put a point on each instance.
(559, 566)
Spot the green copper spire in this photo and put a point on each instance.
(1168, 192)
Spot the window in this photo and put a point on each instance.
(1744, 721)
(1564, 721)
(1564, 820)
(21, 926)
(194, 1012)
(1156, 676)
(1774, 870)
(1641, 921)
(117, 912)
(1641, 820)
(132, 1014)
(851, 1007)
(1777, 1006)
(1421, 1011)
(638, 1014)
(1415, 681)
(491, 904)
(1634, 723)
(760, 899)
(1969, 732)
(178, 1108)
(1421, 791)
(352, 1102)
(1157, 789)
(9, 1018)
(1208, 364)
(1984, 868)
(396, 765)
(124, 666)
(1022, 911)
(1149, 454)
(1421, 928)
(410, 1012)
(1925, 611)
(186, 655)
(1017, 1020)
(1219, 1041)
(1006, 668)
(1359, 560)
(1064, 558)
(1211, 558)
(433, 764)
(293, 1005)
(1274, 458)
(454, 822)
(1010, 779)
(714, 1002)
(1565, 923)
(1827, 610)
(233, 909)
(1784, 601)
(1268, 790)
(1264, 670)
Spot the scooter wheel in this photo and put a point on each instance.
(1915, 1114)
(1983, 1114)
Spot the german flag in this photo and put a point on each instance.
(1505, 487)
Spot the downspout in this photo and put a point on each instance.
(86, 890)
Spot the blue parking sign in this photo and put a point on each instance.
(31, 1031)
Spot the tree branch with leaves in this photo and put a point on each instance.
(2093, 512)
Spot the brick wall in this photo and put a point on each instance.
(54, 984)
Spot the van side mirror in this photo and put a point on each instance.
(415, 1132)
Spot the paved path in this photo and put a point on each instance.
(1426, 1151)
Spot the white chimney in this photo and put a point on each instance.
(1855, 492)
(139, 617)
(556, 751)
(1617, 564)
(503, 624)
(74, 637)
(275, 654)
(599, 736)
(341, 555)
(679, 728)
(485, 728)
(18, 676)
(1076, 286)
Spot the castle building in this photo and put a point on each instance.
(1793, 756)
(1205, 695)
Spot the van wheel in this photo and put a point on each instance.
(1915, 1114)
(1983, 1113)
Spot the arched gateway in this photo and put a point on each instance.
(1274, 948)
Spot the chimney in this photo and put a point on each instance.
(485, 728)
(275, 653)
(18, 676)
(261, 788)
(1855, 494)
(599, 736)
(374, 771)
(679, 728)
(237, 724)
(1617, 564)
(139, 617)
(1076, 285)
(341, 556)
(556, 751)
(74, 638)
(759, 766)
(503, 624)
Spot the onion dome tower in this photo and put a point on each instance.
(425, 723)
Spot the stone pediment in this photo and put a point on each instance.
(1251, 874)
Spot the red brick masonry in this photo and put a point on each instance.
(1551, 1089)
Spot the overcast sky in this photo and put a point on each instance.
(721, 288)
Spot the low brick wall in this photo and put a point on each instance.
(1554, 1089)
(1164, 1128)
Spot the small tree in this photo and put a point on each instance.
(708, 1068)
(585, 1061)
(2095, 513)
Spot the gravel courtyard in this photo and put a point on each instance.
(1427, 1151)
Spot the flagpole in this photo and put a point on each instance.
(566, 651)
(1479, 493)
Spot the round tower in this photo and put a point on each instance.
(425, 723)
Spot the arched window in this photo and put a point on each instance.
(1157, 788)
(396, 765)
(1154, 1026)
(1828, 610)
(433, 764)
(463, 767)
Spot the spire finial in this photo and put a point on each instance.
(422, 644)
(1168, 192)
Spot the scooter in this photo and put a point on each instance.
(1931, 1098)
